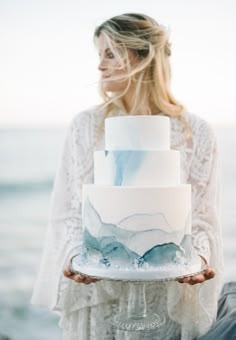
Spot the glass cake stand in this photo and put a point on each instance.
(137, 318)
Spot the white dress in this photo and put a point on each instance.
(86, 309)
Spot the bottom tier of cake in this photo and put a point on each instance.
(137, 228)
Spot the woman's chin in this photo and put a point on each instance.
(113, 87)
(109, 88)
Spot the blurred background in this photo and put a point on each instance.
(48, 67)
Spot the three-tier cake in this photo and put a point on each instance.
(136, 217)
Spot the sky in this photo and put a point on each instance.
(49, 64)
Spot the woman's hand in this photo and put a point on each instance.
(78, 277)
(208, 274)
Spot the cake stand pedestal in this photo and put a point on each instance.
(137, 318)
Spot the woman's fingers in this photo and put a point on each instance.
(78, 277)
(208, 274)
(67, 272)
(193, 279)
(83, 279)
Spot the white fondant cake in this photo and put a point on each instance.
(137, 216)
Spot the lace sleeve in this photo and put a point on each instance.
(198, 303)
(64, 226)
(204, 178)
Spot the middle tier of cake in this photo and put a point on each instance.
(137, 167)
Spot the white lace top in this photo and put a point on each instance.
(190, 309)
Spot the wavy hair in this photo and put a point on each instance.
(151, 76)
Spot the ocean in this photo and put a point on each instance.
(28, 162)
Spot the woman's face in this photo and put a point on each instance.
(110, 67)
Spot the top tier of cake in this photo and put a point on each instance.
(137, 133)
(137, 153)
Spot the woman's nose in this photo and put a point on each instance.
(101, 66)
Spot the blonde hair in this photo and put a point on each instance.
(151, 75)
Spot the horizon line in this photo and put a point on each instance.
(35, 126)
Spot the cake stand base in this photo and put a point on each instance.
(146, 323)
(137, 318)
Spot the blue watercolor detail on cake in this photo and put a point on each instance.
(127, 163)
(110, 243)
(162, 254)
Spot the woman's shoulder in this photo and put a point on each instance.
(84, 125)
(201, 128)
(89, 116)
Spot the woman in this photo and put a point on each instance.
(135, 79)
